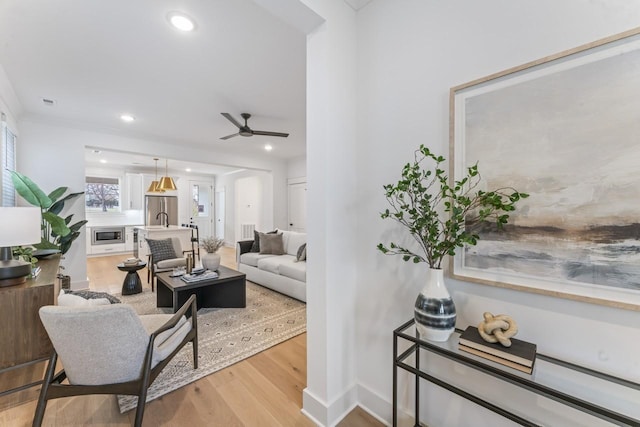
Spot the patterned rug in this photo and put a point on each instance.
(225, 336)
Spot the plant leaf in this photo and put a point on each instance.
(30, 191)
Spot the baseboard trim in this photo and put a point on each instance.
(368, 399)
(328, 415)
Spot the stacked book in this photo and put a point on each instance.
(205, 275)
(521, 355)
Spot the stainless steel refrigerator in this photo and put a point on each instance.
(156, 205)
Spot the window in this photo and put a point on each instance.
(102, 194)
(8, 156)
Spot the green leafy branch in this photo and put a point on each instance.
(439, 216)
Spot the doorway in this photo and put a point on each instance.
(220, 213)
(201, 206)
(298, 205)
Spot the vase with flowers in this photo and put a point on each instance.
(211, 260)
(441, 216)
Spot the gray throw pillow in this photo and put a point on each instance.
(255, 247)
(301, 255)
(271, 244)
(93, 295)
(161, 250)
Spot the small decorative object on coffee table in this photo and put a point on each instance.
(132, 284)
(211, 260)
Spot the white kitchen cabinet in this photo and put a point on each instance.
(134, 192)
(87, 231)
(128, 239)
(108, 248)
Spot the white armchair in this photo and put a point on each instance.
(109, 349)
(164, 257)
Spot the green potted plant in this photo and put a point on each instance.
(211, 260)
(441, 216)
(57, 233)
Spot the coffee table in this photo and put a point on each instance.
(229, 290)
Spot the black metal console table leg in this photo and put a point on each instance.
(417, 405)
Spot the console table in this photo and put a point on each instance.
(24, 343)
(596, 396)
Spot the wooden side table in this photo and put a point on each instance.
(24, 343)
(132, 284)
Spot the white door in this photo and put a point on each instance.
(220, 214)
(201, 206)
(298, 206)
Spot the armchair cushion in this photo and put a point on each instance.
(161, 249)
(168, 340)
(171, 263)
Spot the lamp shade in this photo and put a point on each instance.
(20, 226)
(166, 183)
(153, 188)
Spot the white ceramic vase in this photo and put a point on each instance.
(435, 312)
(210, 261)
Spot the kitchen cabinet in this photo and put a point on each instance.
(128, 239)
(134, 191)
(87, 230)
(108, 248)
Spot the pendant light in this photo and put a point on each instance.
(154, 187)
(166, 182)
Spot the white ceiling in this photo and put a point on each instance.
(99, 59)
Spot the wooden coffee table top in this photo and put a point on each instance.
(176, 283)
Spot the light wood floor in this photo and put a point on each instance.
(263, 390)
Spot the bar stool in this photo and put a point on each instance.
(195, 239)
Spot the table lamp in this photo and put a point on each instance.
(18, 226)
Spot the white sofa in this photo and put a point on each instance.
(278, 272)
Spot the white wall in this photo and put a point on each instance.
(332, 215)
(409, 54)
(265, 219)
(54, 155)
(297, 167)
(9, 104)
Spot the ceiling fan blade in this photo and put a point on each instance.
(261, 132)
(231, 119)
(230, 136)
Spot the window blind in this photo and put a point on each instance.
(8, 164)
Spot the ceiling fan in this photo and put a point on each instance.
(246, 130)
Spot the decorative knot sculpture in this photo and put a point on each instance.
(498, 328)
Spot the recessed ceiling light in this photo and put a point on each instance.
(103, 161)
(127, 118)
(188, 169)
(268, 147)
(181, 21)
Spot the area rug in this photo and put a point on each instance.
(225, 336)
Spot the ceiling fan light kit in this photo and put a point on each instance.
(245, 130)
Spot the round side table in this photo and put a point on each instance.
(132, 284)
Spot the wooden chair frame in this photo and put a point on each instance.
(52, 387)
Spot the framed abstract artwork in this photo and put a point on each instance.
(566, 130)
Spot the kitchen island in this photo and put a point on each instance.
(160, 232)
